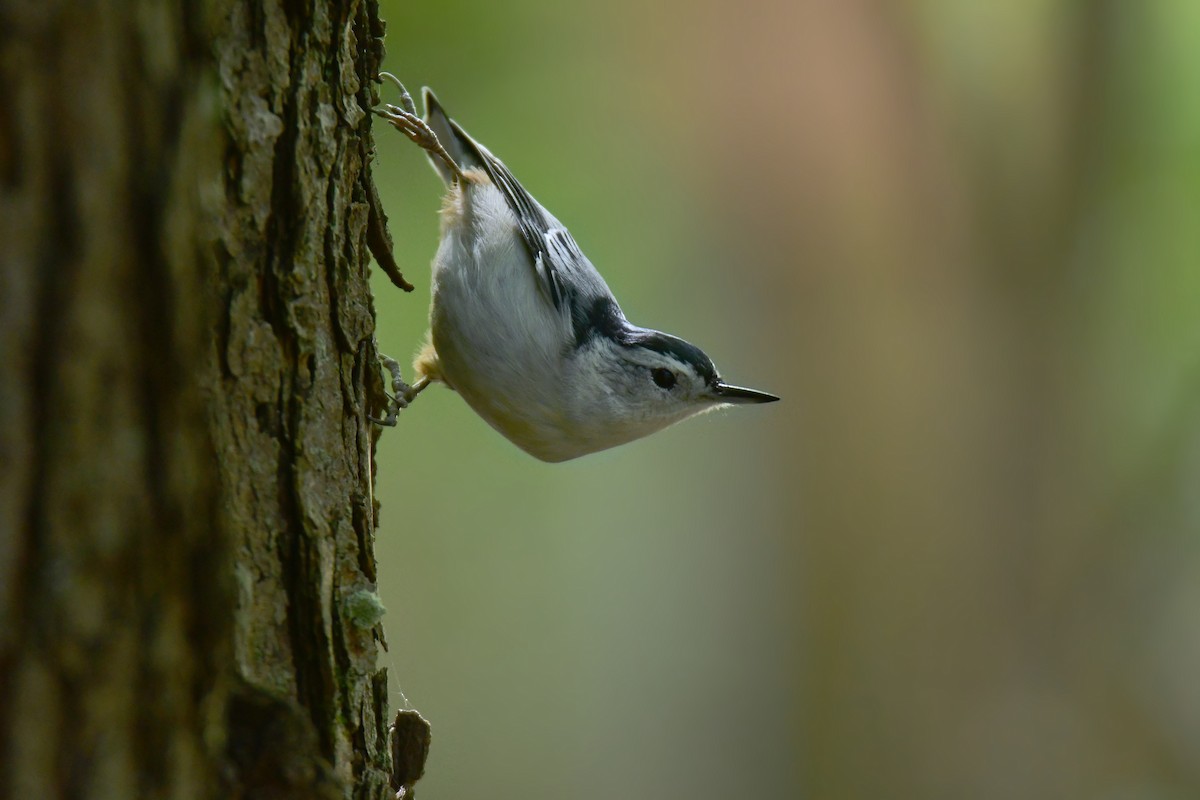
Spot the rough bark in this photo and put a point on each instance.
(187, 582)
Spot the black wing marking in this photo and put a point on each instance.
(550, 246)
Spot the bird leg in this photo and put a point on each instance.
(404, 118)
(402, 393)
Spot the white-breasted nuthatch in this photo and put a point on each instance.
(523, 326)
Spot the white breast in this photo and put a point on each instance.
(499, 340)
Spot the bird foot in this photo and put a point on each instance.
(405, 119)
(402, 393)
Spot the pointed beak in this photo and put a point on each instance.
(739, 395)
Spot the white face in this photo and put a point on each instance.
(612, 393)
(657, 385)
(622, 393)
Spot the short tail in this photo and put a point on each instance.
(461, 147)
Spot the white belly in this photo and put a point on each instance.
(499, 341)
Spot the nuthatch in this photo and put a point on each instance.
(523, 326)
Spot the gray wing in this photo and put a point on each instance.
(569, 280)
(552, 248)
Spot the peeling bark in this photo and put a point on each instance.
(186, 365)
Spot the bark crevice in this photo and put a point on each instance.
(187, 339)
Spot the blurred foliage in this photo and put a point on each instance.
(961, 559)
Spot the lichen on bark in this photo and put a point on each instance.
(186, 505)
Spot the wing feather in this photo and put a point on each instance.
(564, 274)
(550, 246)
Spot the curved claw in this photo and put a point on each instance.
(405, 98)
(404, 118)
(402, 393)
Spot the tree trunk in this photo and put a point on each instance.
(187, 578)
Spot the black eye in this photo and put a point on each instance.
(663, 377)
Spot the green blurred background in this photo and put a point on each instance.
(961, 559)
